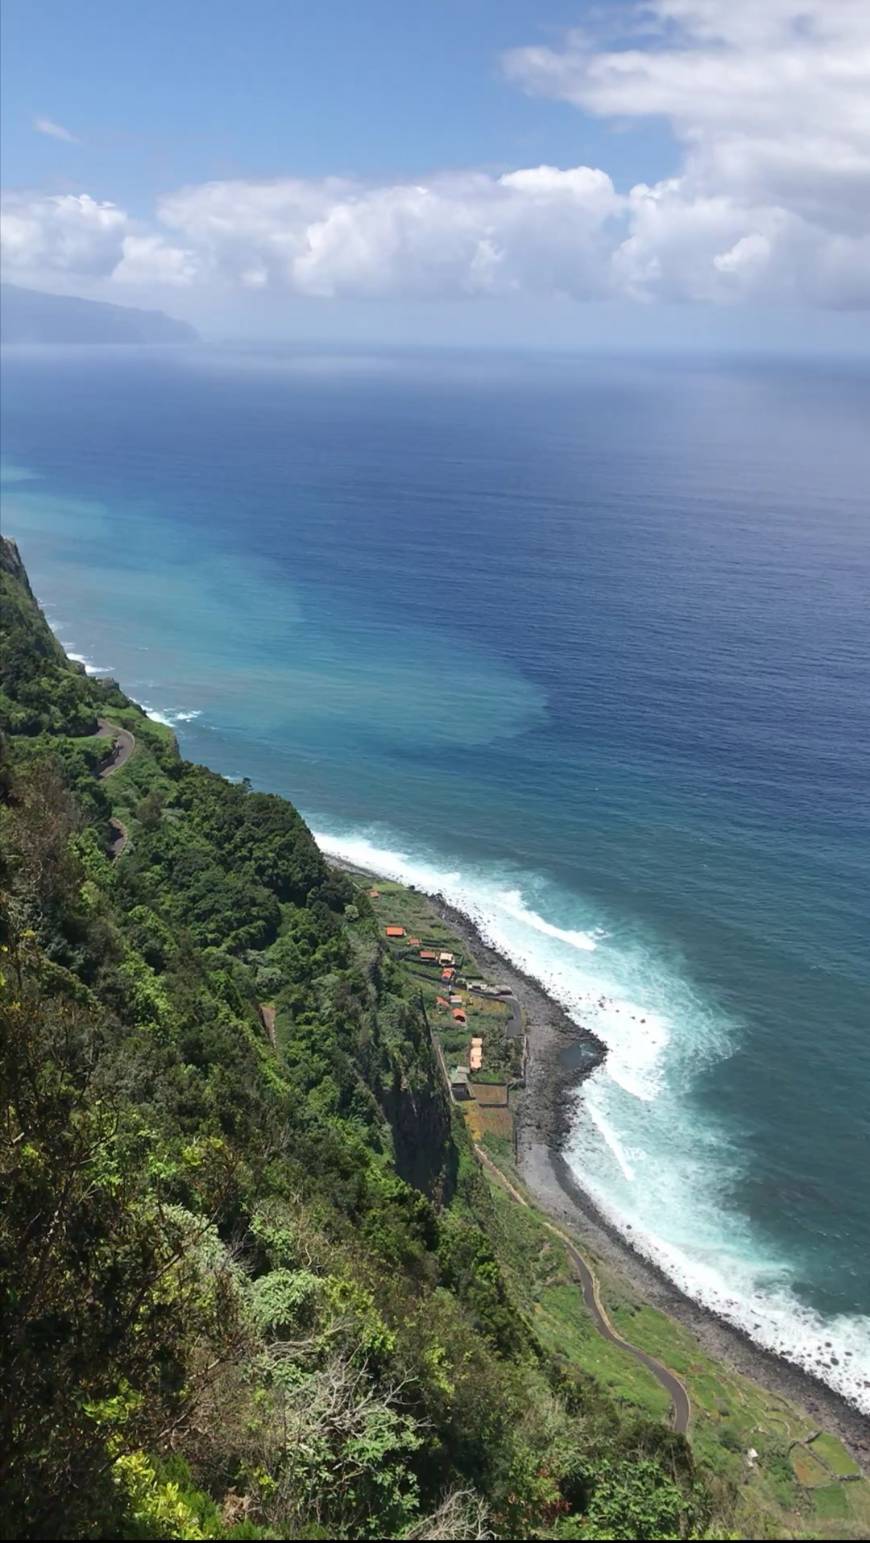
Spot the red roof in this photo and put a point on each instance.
(414, 942)
(459, 1015)
(447, 974)
(441, 1002)
(395, 932)
(426, 953)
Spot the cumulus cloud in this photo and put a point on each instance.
(768, 103)
(771, 104)
(471, 234)
(62, 233)
(54, 130)
(44, 236)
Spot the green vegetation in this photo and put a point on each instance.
(249, 1280)
(834, 1455)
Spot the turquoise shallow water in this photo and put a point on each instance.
(586, 646)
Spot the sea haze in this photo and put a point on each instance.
(586, 646)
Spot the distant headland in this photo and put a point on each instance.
(31, 316)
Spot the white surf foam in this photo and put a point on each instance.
(90, 667)
(169, 717)
(652, 1166)
(715, 1260)
(512, 902)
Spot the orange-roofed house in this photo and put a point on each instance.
(428, 954)
(459, 1015)
(414, 942)
(395, 932)
(447, 974)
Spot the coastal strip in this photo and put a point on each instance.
(560, 1054)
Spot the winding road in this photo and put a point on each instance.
(681, 1406)
(120, 837)
(122, 748)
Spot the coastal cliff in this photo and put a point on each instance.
(250, 1270)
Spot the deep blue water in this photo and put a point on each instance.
(585, 643)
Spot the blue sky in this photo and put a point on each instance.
(454, 170)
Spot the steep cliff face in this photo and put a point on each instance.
(11, 564)
(419, 1117)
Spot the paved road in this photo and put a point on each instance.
(120, 837)
(122, 749)
(681, 1408)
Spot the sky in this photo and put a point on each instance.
(687, 173)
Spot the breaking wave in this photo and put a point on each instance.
(657, 1168)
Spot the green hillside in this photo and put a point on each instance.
(248, 1283)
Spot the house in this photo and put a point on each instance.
(455, 1001)
(441, 1002)
(445, 958)
(458, 1015)
(447, 974)
(475, 1054)
(395, 932)
(414, 942)
(428, 954)
(459, 1083)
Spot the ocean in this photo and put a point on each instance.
(585, 645)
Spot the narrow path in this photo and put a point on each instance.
(122, 749)
(514, 1027)
(119, 840)
(267, 1018)
(676, 1390)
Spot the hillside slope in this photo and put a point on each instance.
(247, 1260)
(34, 316)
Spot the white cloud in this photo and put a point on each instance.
(770, 100)
(151, 260)
(61, 233)
(470, 234)
(49, 237)
(769, 105)
(54, 130)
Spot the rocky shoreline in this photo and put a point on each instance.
(560, 1054)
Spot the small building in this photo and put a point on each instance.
(441, 1002)
(475, 1054)
(395, 932)
(459, 1083)
(458, 1015)
(445, 958)
(447, 974)
(414, 942)
(428, 955)
(455, 1001)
